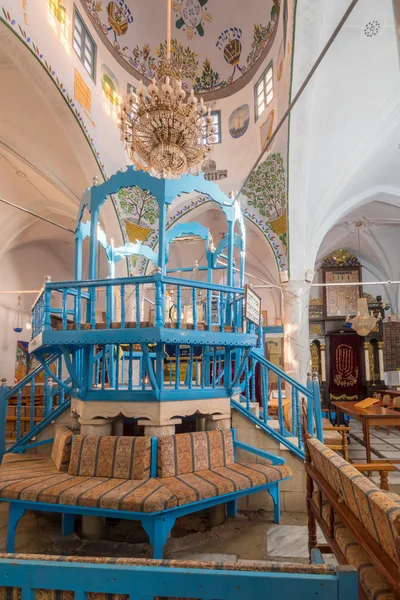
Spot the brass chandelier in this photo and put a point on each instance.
(165, 130)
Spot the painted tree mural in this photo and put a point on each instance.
(139, 205)
(266, 188)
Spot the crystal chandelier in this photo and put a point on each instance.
(163, 129)
(364, 322)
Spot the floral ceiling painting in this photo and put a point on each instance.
(265, 192)
(210, 49)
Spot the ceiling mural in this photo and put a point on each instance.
(211, 49)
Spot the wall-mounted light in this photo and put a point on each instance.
(310, 275)
(284, 276)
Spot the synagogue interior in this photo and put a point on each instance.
(200, 299)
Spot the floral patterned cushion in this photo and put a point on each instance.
(146, 495)
(192, 487)
(191, 452)
(373, 507)
(372, 582)
(121, 457)
(61, 450)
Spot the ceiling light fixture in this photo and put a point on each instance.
(163, 129)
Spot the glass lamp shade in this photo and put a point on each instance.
(363, 323)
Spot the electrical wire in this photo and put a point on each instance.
(29, 212)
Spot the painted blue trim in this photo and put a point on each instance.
(162, 581)
(273, 329)
(154, 456)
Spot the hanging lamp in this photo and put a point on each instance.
(364, 322)
(18, 317)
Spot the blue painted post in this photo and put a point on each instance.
(122, 294)
(60, 389)
(310, 408)
(294, 411)
(265, 386)
(117, 351)
(103, 368)
(130, 368)
(214, 367)
(78, 318)
(137, 304)
(64, 308)
(253, 379)
(178, 367)
(3, 416)
(32, 406)
(47, 303)
(108, 306)
(190, 367)
(194, 301)
(19, 415)
(159, 308)
(162, 227)
(93, 307)
(317, 408)
(78, 253)
(247, 385)
(299, 425)
(280, 407)
(94, 218)
(179, 306)
(221, 311)
(230, 272)
(209, 308)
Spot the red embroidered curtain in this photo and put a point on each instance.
(345, 368)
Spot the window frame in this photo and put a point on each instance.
(262, 80)
(86, 34)
(219, 128)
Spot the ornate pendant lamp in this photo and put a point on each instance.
(364, 322)
(163, 129)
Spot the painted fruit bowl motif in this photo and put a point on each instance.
(191, 12)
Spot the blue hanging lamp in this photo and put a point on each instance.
(18, 317)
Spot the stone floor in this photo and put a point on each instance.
(249, 537)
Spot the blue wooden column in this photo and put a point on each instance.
(3, 416)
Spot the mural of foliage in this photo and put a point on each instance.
(141, 59)
(139, 204)
(261, 35)
(183, 60)
(266, 187)
(208, 80)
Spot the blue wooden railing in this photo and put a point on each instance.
(134, 579)
(143, 301)
(287, 431)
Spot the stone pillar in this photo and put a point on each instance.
(218, 422)
(323, 363)
(296, 328)
(380, 357)
(93, 528)
(366, 360)
(159, 428)
(96, 426)
(200, 423)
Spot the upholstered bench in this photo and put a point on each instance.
(40, 577)
(139, 478)
(361, 522)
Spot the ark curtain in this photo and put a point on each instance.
(345, 368)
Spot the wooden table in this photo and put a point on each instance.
(369, 417)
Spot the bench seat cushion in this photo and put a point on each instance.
(123, 457)
(373, 507)
(22, 466)
(61, 449)
(192, 487)
(191, 452)
(372, 582)
(147, 495)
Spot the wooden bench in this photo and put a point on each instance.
(140, 478)
(361, 522)
(41, 577)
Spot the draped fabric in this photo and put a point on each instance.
(345, 368)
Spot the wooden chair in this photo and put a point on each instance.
(387, 402)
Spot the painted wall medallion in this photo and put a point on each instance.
(191, 16)
(266, 130)
(229, 43)
(211, 173)
(239, 121)
(119, 17)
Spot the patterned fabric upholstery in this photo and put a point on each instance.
(372, 582)
(111, 456)
(191, 452)
(201, 485)
(147, 495)
(373, 507)
(324, 506)
(61, 450)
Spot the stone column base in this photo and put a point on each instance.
(159, 429)
(96, 426)
(218, 422)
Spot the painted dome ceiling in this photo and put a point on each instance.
(217, 45)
